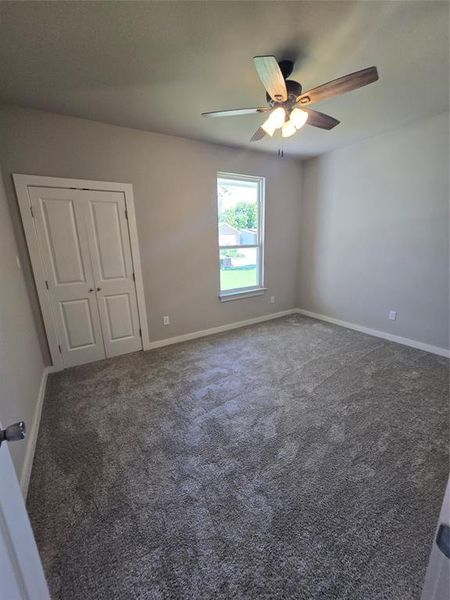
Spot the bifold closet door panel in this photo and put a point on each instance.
(110, 251)
(63, 245)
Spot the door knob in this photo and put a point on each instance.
(13, 432)
(99, 289)
(90, 290)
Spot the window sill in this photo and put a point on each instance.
(227, 296)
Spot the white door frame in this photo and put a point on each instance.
(22, 183)
(22, 576)
(437, 578)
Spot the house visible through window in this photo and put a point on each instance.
(240, 200)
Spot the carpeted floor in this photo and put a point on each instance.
(290, 459)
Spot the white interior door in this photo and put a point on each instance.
(437, 579)
(64, 249)
(110, 250)
(21, 574)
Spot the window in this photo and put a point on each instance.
(240, 204)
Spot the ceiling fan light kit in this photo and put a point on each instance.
(284, 97)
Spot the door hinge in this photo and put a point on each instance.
(126, 214)
(46, 284)
(134, 277)
(60, 351)
(140, 332)
(31, 211)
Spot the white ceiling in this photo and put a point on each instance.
(157, 65)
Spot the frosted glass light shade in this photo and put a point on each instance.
(298, 117)
(268, 127)
(278, 116)
(275, 120)
(288, 129)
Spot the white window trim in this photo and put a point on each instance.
(241, 294)
(247, 292)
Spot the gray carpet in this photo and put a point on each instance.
(290, 459)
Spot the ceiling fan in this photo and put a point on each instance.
(288, 106)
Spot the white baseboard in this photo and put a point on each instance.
(32, 434)
(205, 332)
(381, 334)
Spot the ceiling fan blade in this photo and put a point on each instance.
(271, 76)
(258, 135)
(236, 112)
(344, 84)
(318, 119)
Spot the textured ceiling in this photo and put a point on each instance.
(157, 65)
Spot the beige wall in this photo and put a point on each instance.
(371, 230)
(174, 182)
(374, 232)
(21, 363)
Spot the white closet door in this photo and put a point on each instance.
(110, 251)
(64, 249)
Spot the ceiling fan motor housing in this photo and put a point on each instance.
(294, 89)
(286, 67)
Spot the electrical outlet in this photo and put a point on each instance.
(166, 321)
(272, 299)
(393, 315)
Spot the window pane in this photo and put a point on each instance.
(238, 268)
(238, 212)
